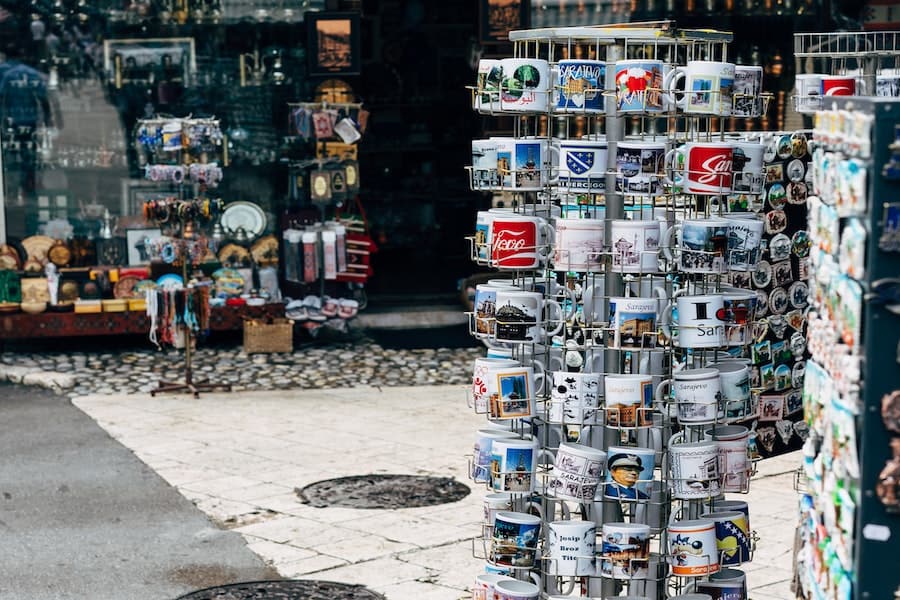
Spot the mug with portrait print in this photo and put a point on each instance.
(629, 473)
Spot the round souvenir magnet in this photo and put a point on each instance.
(798, 145)
(779, 247)
(796, 170)
(783, 147)
(762, 277)
(776, 221)
(762, 303)
(770, 151)
(778, 301)
(798, 294)
(797, 192)
(777, 196)
(800, 244)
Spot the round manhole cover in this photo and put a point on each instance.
(383, 491)
(285, 590)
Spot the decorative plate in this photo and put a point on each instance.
(233, 255)
(140, 288)
(170, 281)
(265, 251)
(229, 282)
(246, 215)
(9, 258)
(68, 291)
(37, 247)
(763, 274)
(59, 254)
(124, 287)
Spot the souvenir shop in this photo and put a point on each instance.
(171, 169)
(676, 296)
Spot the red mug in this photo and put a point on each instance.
(837, 85)
(520, 242)
(708, 168)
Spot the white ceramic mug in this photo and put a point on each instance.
(628, 400)
(700, 322)
(482, 452)
(808, 92)
(571, 548)
(640, 168)
(512, 393)
(735, 378)
(514, 542)
(487, 92)
(635, 245)
(701, 243)
(525, 85)
(577, 471)
(485, 175)
(727, 584)
(732, 445)
(579, 86)
(574, 398)
(483, 317)
(744, 239)
(524, 164)
(887, 83)
(697, 394)
(513, 463)
(581, 166)
(625, 551)
(708, 87)
(732, 537)
(516, 590)
(747, 165)
(629, 473)
(524, 317)
(693, 469)
(579, 245)
(748, 101)
(708, 168)
(484, 380)
(633, 322)
(639, 86)
(519, 242)
(692, 548)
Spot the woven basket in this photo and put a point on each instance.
(276, 335)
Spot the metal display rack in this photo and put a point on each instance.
(850, 513)
(590, 342)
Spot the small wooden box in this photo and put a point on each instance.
(261, 336)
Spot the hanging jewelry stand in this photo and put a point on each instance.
(189, 384)
(152, 136)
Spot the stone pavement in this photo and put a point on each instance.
(241, 456)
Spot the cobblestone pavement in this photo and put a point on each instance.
(360, 362)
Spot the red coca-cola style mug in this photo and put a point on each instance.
(708, 168)
(520, 243)
(838, 85)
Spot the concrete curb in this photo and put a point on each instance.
(52, 380)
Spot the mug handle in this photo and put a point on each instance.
(554, 165)
(540, 374)
(669, 88)
(659, 396)
(665, 319)
(545, 241)
(665, 242)
(669, 166)
(561, 321)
